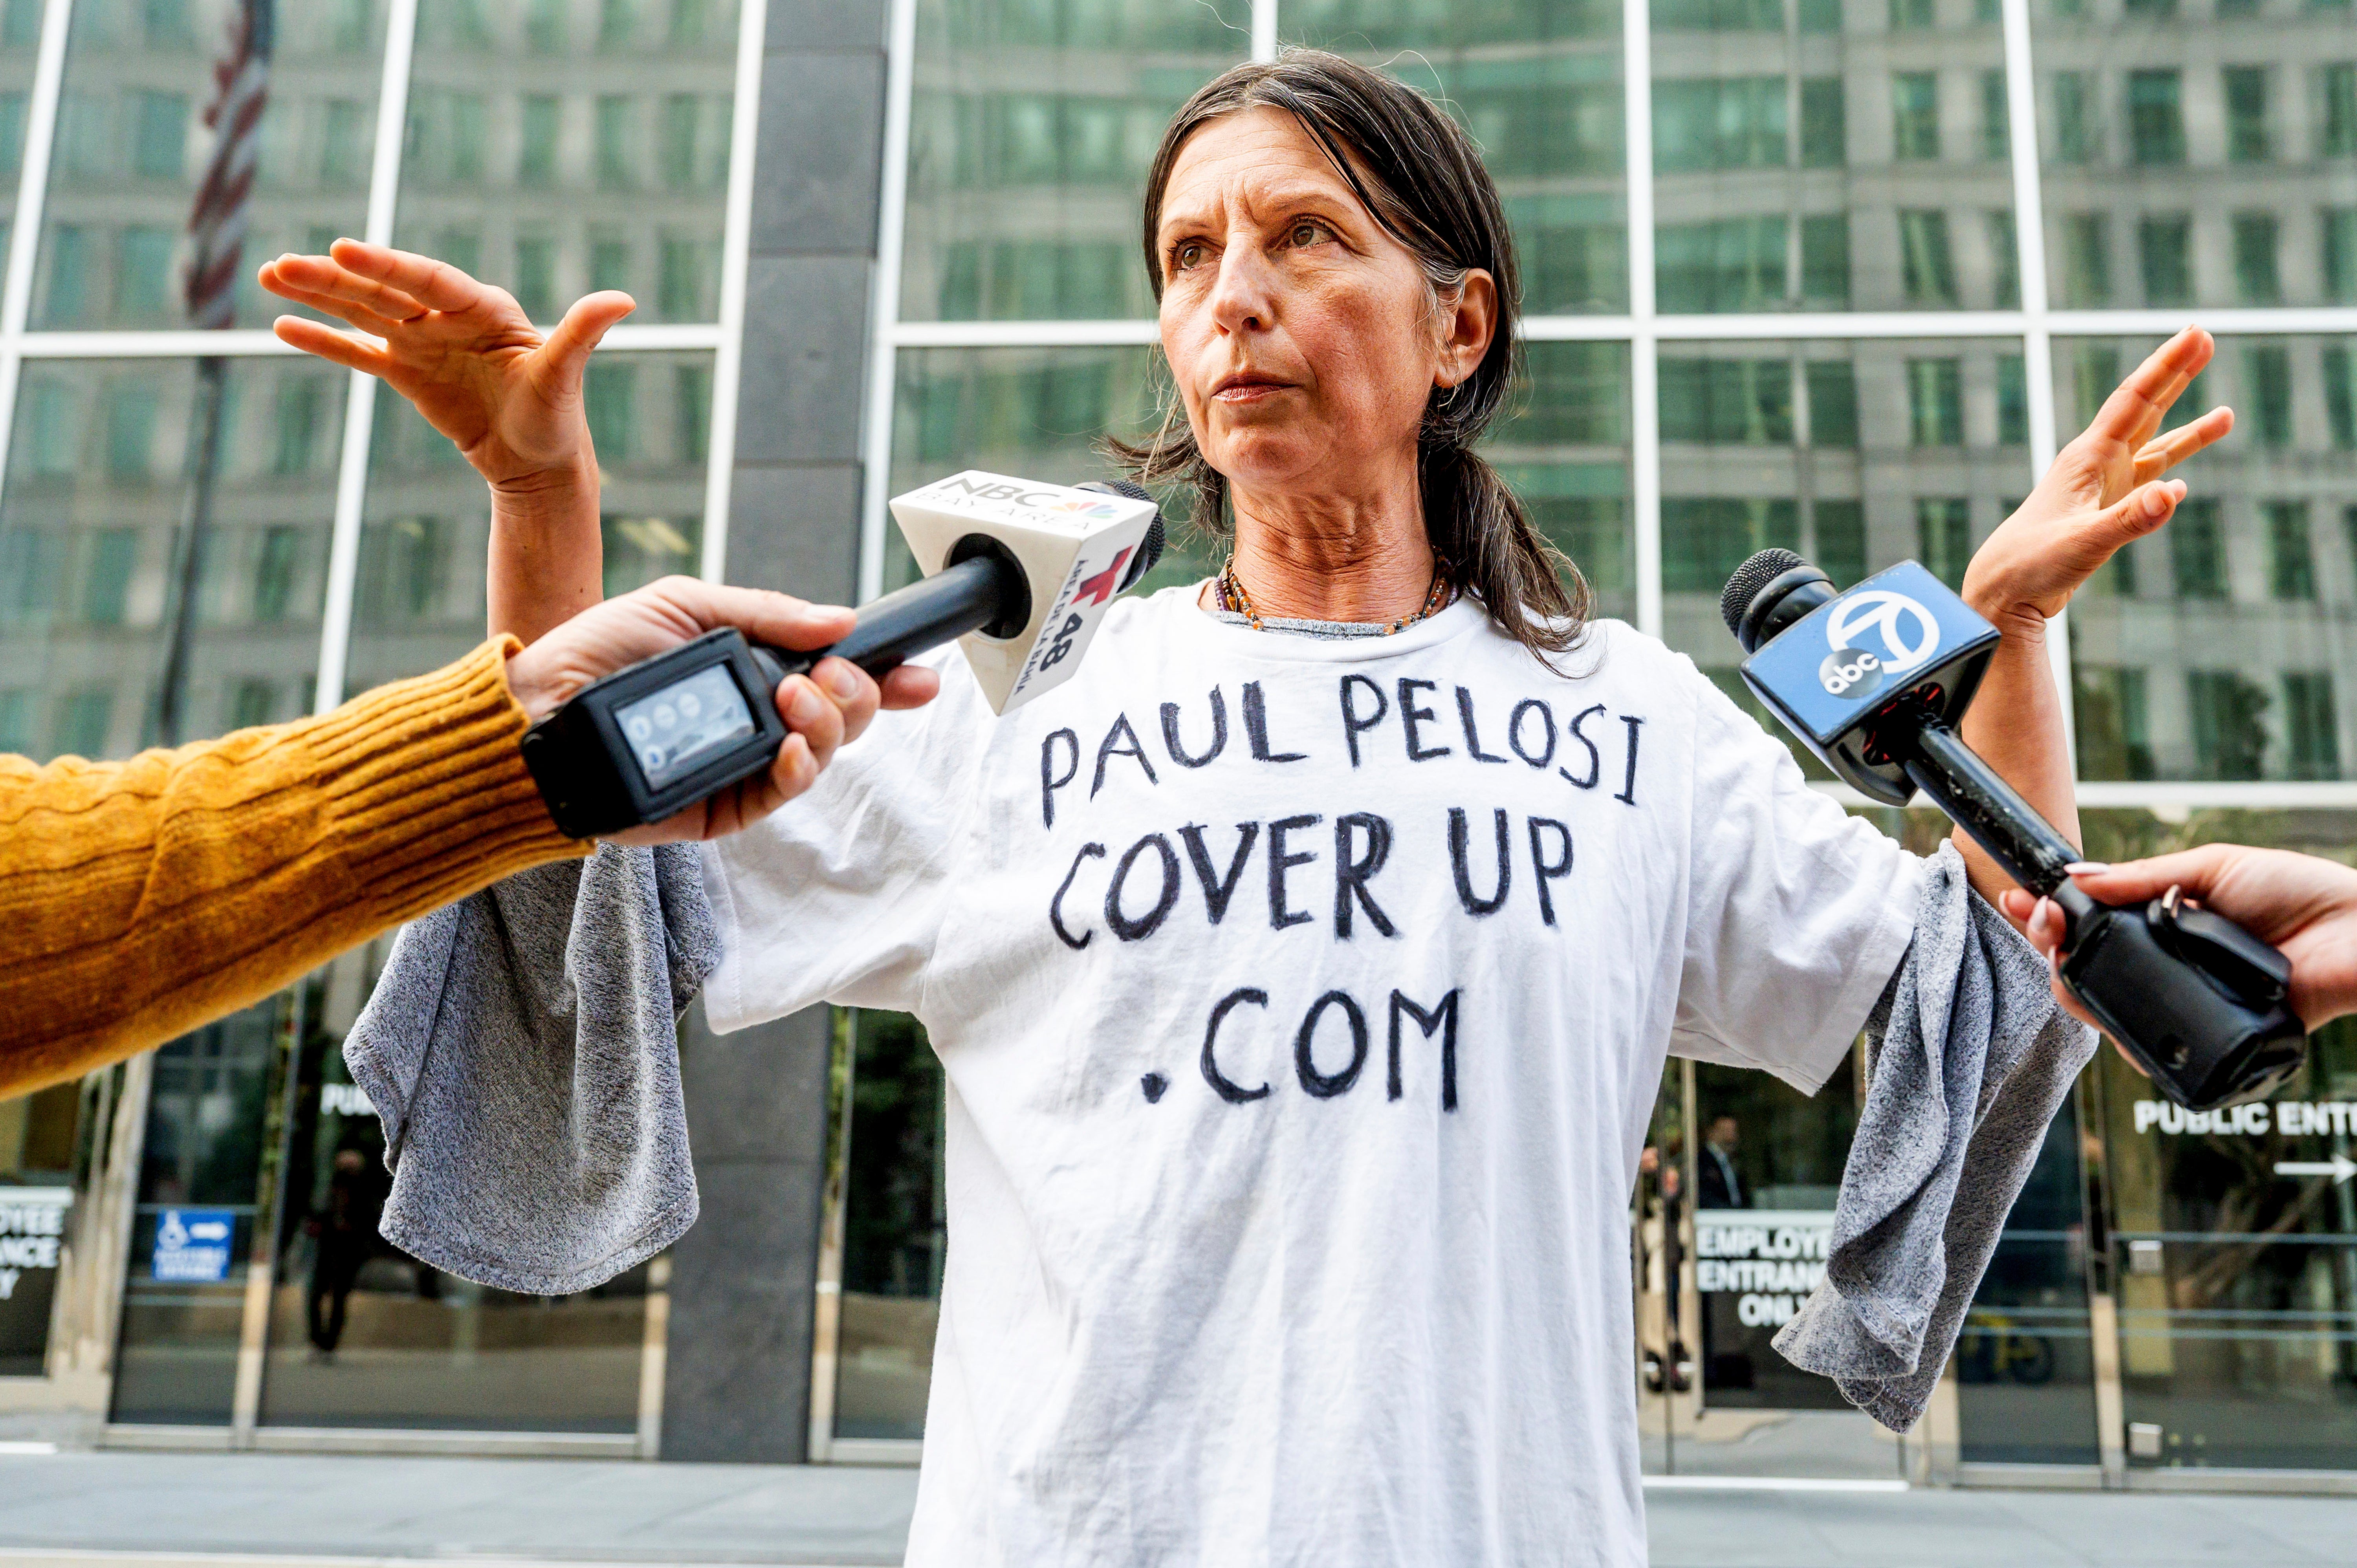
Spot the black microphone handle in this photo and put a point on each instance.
(941, 609)
(1987, 808)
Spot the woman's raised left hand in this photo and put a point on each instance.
(2104, 490)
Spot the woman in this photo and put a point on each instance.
(1303, 970)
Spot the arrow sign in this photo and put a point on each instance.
(2339, 1167)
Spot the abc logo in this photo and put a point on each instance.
(1850, 673)
(1908, 633)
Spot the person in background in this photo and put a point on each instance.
(148, 897)
(2303, 904)
(1720, 1185)
(343, 1233)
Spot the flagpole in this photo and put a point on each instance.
(217, 244)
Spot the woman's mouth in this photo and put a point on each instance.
(1247, 387)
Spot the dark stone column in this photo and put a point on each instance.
(736, 1383)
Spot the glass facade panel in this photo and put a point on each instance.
(2233, 1248)
(895, 1220)
(557, 148)
(361, 1334)
(1029, 133)
(2198, 156)
(2223, 648)
(1808, 157)
(1564, 449)
(105, 523)
(1538, 84)
(204, 1173)
(136, 132)
(1858, 455)
(418, 599)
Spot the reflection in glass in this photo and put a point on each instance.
(132, 144)
(92, 524)
(1035, 413)
(204, 1150)
(2223, 648)
(2193, 159)
(894, 1227)
(553, 149)
(418, 599)
(2237, 1279)
(1030, 134)
(1564, 447)
(1809, 157)
(1538, 84)
(1858, 455)
(362, 1335)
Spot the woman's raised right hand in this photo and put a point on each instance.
(462, 352)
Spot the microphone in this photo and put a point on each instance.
(1874, 681)
(1020, 573)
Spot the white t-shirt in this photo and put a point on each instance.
(1302, 1005)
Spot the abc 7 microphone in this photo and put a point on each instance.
(1874, 681)
(1021, 572)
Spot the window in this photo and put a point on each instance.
(1716, 534)
(2246, 114)
(1944, 537)
(2340, 395)
(617, 135)
(159, 134)
(1935, 401)
(2156, 119)
(343, 160)
(130, 433)
(2112, 723)
(682, 111)
(608, 397)
(1726, 402)
(535, 276)
(2337, 235)
(1997, 136)
(2311, 727)
(82, 719)
(543, 25)
(1915, 116)
(2197, 550)
(609, 262)
(2164, 251)
(2004, 261)
(1718, 124)
(2291, 565)
(2086, 260)
(109, 554)
(1732, 264)
(1824, 261)
(142, 274)
(2013, 407)
(1824, 129)
(2255, 278)
(2095, 371)
(1906, 15)
(692, 402)
(2077, 137)
(536, 153)
(274, 566)
(2230, 737)
(252, 702)
(617, 21)
(2336, 120)
(1832, 404)
(2267, 381)
(1928, 269)
(684, 288)
(1841, 540)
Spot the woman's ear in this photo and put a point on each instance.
(1468, 321)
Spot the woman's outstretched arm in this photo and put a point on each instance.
(472, 362)
(2104, 491)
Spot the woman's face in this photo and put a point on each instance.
(1300, 334)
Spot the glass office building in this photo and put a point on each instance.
(1833, 275)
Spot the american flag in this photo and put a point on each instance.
(217, 221)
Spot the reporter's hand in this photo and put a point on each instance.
(466, 355)
(821, 710)
(2305, 906)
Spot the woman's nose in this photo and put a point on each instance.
(1244, 299)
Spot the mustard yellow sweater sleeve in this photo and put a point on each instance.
(144, 897)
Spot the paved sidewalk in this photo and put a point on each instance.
(275, 1511)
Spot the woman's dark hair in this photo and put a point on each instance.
(1421, 177)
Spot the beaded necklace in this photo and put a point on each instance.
(1229, 591)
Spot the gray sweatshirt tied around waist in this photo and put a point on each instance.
(521, 1047)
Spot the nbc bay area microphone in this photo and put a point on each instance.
(1874, 680)
(1022, 572)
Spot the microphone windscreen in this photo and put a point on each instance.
(1754, 575)
(1150, 550)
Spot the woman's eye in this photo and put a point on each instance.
(1305, 233)
(1186, 255)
